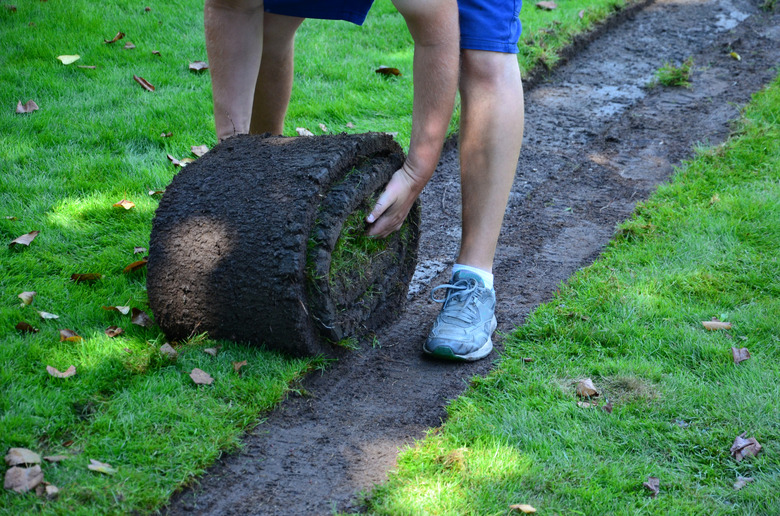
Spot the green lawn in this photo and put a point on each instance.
(704, 246)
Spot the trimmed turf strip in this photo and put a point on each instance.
(705, 245)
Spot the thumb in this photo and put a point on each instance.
(379, 208)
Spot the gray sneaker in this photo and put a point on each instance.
(463, 328)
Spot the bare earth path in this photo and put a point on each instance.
(597, 141)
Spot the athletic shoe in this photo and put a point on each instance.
(463, 327)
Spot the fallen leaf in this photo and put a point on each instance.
(124, 203)
(653, 485)
(66, 60)
(139, 250)
(742, 482)
(119, 35)
(323, 128)
(744, 447)
(201, 377)
(88, 67)
(67, 335)
(22, 480)
(197, 66)
(124, 310)
(387, 71)
(47, 315)
(26, 327)
(167, 350)
(128, 351)
(740, 355)
(581, 13)
(140, 264)
(55, 373)
(18, 456)
(10, 217)
(587, 404)
(140, 318)
(68, 443)
(714, 199)
(156, 192)
(212, 351)
(522, 507)
(238, 365)
(56, 458)
(47, 490)
(715, 324)
(586, 389)
(350, 125)
(101, 467)
(166, 135)
(302, 131)
(143, 82)
(528, 360)
(113, 331)
(86, 278)
(28, 107)
(27, 297)
(147, 9)
(546, 6)
(129, 46)
(736, 56)
(607, 407)
(180, 162)
(199, 150)
(25, 239)
(156, 53)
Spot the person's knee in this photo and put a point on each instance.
(236, 5)
(488, 67)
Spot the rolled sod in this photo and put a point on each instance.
(261, 241)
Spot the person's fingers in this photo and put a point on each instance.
(380, 207)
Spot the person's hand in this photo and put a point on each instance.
(394, 204)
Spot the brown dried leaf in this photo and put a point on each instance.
(124, 310)
(26, 327)
(522, 507)
(201, 377)
(586, 389)
(742, 482)
(653, 485)
(744, 447)
(28, 107)
(27, 297)
(156, 192)
(47, 490)
(302, 131)
(86, 278)
(25, 239)
(140, 264)
(199, 150)
(68, 443)
(528, 360)
(67, 335)
(119, 35)
(143, 82)
(56, 458)
(546, 5)
(129, 46)
(113, 331)
(740, 355)
(22, 480)
(55, 373)
(607, 407)
(199, 66)
(387, 71)
(147, 9)
(167, 350)
(238, 365)
(141, 318)
(715, 324)
(101, 467)
(47, 315)
(166, 135)
(18, 456)
(124, 203)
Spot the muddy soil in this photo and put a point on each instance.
(597, 141)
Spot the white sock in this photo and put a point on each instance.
(487, 277)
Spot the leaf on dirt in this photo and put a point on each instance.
(744, 447)
(740, 355)
(113, 331)
(350, 125)
(199, 66)
(124, 310)
(141, 318)
(323, 128)
(546, 6)
(212, 351)
(742, 482)
(387, 71)
(47, 490)
(715, 324)
(57, 374)
(124, 203)
(47, 315)
(522, 507)
(140, 264)
(586, 389)
(28, 107)
(101, 467)
(22, 480)
(89, 277)
(27, 297)
(167, 350)
(581, 14)
(56, 458)
(25, 239)
(18, 456)
(66, 60)
(139, 250)
(736, 56)
(302, 131)
(653, 485)
(201, 377)
(67, 335)
(199, 150)
(26, 327)
(607, 407)
(129, 46)
(238, 365)
(143, 82)
(119, 35)
(156, 192)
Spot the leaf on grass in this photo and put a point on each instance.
(714, 199)
(607, 407)
(199, 150)
(350, 125)
(26, 327)
(124, 203)
(47, 315)
(68, 443)
(101, 467)
(10, 217)
(56, 458)
(736, 56)
(11, 8)
(156, 192)
(27, 297)
(740, 355)
(522, 507)
(124, 310)
(715, 324)
(66, 60)
(129, 46)
(86, 278)
(238, 365)
(141, 318)
(199, 66)
(22, 480)
(88, 67)
(586, 389)
(28, 107)
(744, 447)
(47, 490)
(147, 9)
(201, 377)
(25, 239)
(742, 482)
(156, 53)
(546, 5)
(67, 335)
(113, 331)
(180, 162)
(212, 351)
(57, 374)
(140, 264)
(323, 128)
(18, 456)
(587, 404)
(119, 35)
(302, 131)
(166, 135)
(528, 360)
(139, 250)
(387, 71)
(167, 350)
(653, 485)
(143, 82)
(581, 13)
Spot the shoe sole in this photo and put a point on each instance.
(446, 353)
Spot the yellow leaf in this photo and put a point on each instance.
(66, 60)
(522, 507)
(735, 56)
(716, 325)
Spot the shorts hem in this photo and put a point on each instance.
(490, 46)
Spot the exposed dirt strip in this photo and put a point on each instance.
(597, 141)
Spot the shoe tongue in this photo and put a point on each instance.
(467, 275)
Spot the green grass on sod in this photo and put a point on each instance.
(96, 140)
(704, 246)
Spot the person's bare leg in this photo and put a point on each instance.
(275, 78)
(234, 43)
(491, 133)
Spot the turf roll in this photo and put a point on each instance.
(261, 240)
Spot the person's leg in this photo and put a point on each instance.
(234, 43)
(275, 78)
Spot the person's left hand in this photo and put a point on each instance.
(394, 204)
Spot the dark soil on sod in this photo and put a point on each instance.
(597, 141)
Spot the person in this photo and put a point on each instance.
(467, 45)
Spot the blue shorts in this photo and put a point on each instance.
(492, 25)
